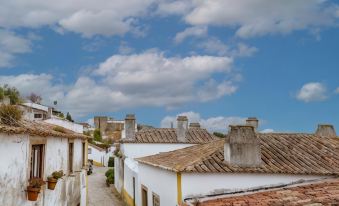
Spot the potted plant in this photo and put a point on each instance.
(33, 189)
(53, 179)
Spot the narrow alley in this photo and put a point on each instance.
(98, 193)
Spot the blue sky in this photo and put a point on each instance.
(216, 61)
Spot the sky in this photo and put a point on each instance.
(216, 61)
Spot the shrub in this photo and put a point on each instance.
(36, 183)
(10, 115)
(111, 162)
(97, 135)
(218, 134)
(109, 172)
(59, 129)
(57, 174)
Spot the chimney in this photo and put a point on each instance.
(194, 125)
(50, 113)
(130, 123)
(326, 130)
(252, 121)
(242, 147)
(182, 126)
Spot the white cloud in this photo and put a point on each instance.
(173, 7)
(267, 131)
(313, 91)
(11, 45)
(196, 31)
(256, 18)
(337, 90)
(124, 81)
(219, 123)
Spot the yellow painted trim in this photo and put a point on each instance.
(127, 198)
(98, 164)
(179, 189)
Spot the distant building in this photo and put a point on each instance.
(33, 111)
(109, 128)
(100, 156)
(244, 161)
(35, 149)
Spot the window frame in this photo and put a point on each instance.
(144, 188)
(70, 156)
(155, 195)
(35, 141)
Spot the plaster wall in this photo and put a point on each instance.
(161, 182)
(209, 183)
(14, 172)
(66, 124)
(131, 171)
(98, 155)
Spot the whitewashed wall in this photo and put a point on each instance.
(99, 155)
(195, 183)
(161, 182)
(131, 170)
(78, 128)
(141, 150)
(14, 174)
(118, 174)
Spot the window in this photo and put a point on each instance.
(144, 195)
(37, 116)
(70, 156)
(89, 150)
(37, 163)
(156, 199)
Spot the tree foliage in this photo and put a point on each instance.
(12, 93)
(97, 135)
(219, 134)
(69, 117)
(35, 98)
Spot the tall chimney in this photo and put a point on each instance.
(194, 125)
(130, 123)
(326, 130)
(242, 147)
(182, 126)
(252, 121)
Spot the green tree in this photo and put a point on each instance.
(2, 94)
(97, 135)
(12, 93)
(219, 134)
(69, 117)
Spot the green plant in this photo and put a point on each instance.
(10, 115)
(111, 162)
(57, 174)
(12, 93)
(36, 182)
(97, 135)
(59, 129)
(117, 153)
(110, 177)
(219, 134)
(69, 117)
(87, 133)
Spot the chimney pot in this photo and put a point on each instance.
(326, 130)
(243, 147)
(130, 123)
(194, 125)
(252, 121)
(182, 126)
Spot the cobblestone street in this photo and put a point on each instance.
(98, 193)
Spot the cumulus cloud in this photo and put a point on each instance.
(256, 18)
(219, 123)
(197, 31)
(11, 45)
(124, 81)
(313, 91)
(267, 131)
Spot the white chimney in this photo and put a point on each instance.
(194, 125)
(326, 130)
(182, 126)
(242, 147)
(130, 125)
(252, 121)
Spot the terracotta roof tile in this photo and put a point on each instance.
(281, 153)
(323, 193)
(168, 135)
(42, 129)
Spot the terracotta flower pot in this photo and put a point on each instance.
(32, 193)
(51, 183)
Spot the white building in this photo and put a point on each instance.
(244, 160)
(36, 150)
(33, 111)
(99, 155)
(148, 142)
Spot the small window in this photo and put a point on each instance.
(89, 150)
(144, 195)
(70, 157)
(37, 163)
(156, 199)
(37, 116)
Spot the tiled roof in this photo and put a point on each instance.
(315, 194)
(168, 135)
(40, 128)
(280, 153)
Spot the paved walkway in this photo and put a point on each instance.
(98, 193)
